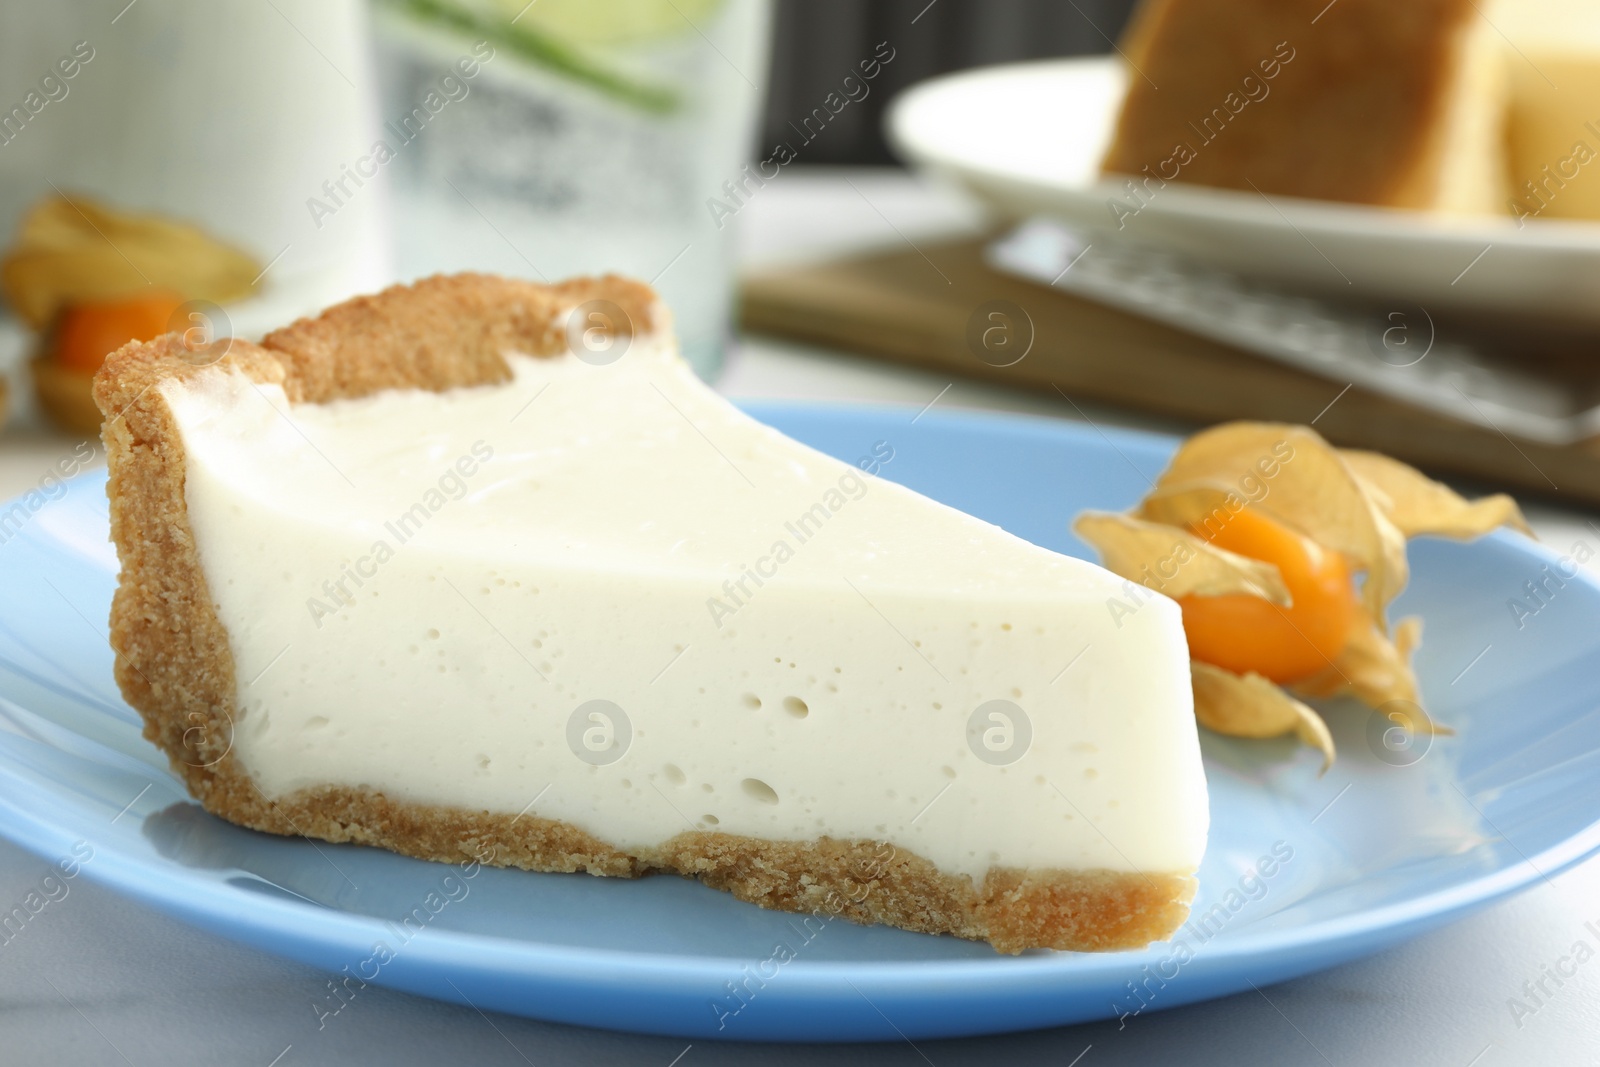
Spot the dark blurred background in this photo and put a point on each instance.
(818, 42)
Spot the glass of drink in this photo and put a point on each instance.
(553, 138)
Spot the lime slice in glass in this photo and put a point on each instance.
(570, 37)
(609, 22)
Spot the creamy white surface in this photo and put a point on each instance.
(576, 563)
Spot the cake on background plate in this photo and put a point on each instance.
(1362, 101)
(1554, 129)
(1455, 106)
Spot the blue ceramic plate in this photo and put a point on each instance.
(1399, 838)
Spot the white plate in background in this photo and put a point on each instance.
(1028, 139)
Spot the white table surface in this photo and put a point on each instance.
(99, 979)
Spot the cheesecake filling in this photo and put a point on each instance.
(605, 596)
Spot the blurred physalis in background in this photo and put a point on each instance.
(88, 278)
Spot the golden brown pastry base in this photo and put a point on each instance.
(864, 881)
(174, 663)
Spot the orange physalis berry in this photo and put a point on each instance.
(1242, 633)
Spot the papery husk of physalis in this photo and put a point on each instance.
(1375, 669)
(73, 250)
(1131, 547)
(1312, 491)
(1249, 705)
(1418, 505)
(1360, 504)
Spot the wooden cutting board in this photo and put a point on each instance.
(936, 308)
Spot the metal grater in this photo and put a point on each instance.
(1393, 352)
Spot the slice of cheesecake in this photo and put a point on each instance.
(479, 568)
(1363, 101)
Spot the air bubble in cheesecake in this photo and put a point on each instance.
(710, 820)
(674, 775)
(796, 707)
(759, 790)
(751, 701)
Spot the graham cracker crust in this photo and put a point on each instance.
(174, 663)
